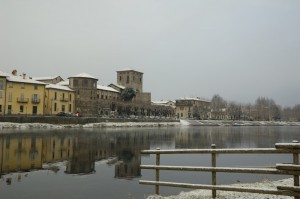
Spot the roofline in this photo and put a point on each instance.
(84, 77)
(129, 70)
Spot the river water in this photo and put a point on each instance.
(104, 163)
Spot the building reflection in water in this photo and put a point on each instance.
(22, 152)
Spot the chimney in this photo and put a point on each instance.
(14, 72)
(24, 76)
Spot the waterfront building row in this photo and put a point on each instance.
(23, 95)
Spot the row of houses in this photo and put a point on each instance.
(24, 95)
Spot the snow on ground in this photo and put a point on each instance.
(206, 194)
(236, 123)
(9, 125)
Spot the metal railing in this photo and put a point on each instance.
(280, 169)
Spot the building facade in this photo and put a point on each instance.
(192, 108)
(24, 96)
(130, 78)
(85, 87)
(59, 99)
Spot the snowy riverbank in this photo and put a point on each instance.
(11, 125)
(206, 194)
(236, 123)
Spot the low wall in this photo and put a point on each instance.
(73, 120)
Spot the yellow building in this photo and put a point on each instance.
(59, 99)
(24, 95)
(2, 91)
(192, 108)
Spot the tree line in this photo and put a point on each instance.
(263, 109)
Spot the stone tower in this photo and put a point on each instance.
(130, 78)
(86, 93)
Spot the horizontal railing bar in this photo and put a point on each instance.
(291, 167)
(289, 188)
(221, 187)
(223, 169)
(225, 151)
(287, 146)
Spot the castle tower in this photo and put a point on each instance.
(85, 86)
(130, 78)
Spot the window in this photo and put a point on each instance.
(55, 106)
(55, 96)
(21, 109)
(102, 96)
(63, 96)
(127, 81)
(35, 98)
(75, 82)
(63, 108)
(22, 97)
(70, 107)
(85, 83)
(1, 84)
(140, 80)
(35, 87)
(120, 78)
(10, 84)
(9, 109)
(22, 85)
(9, 97)
(0, 107)
(70, 98)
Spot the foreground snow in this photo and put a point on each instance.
(206, 194)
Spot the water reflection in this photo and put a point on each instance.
(23, 151)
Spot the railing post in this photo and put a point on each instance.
(157, 171)
(296, 162)
(213, 173)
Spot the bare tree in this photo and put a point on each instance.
(234, 111)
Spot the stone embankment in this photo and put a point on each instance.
(206, 194)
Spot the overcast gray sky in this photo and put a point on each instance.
(239, 49)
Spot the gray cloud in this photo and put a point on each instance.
(238, 49)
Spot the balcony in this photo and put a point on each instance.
(23, 100)
(63, 99)
(35, 101)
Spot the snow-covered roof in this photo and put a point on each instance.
(106, 88)
(195, 99)
(4, 74)
(163, 102)
(45, 78)
(84, 75)
(58, 87)
(63, 83)
(128, 69)
(119, 86)
(21, 79)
